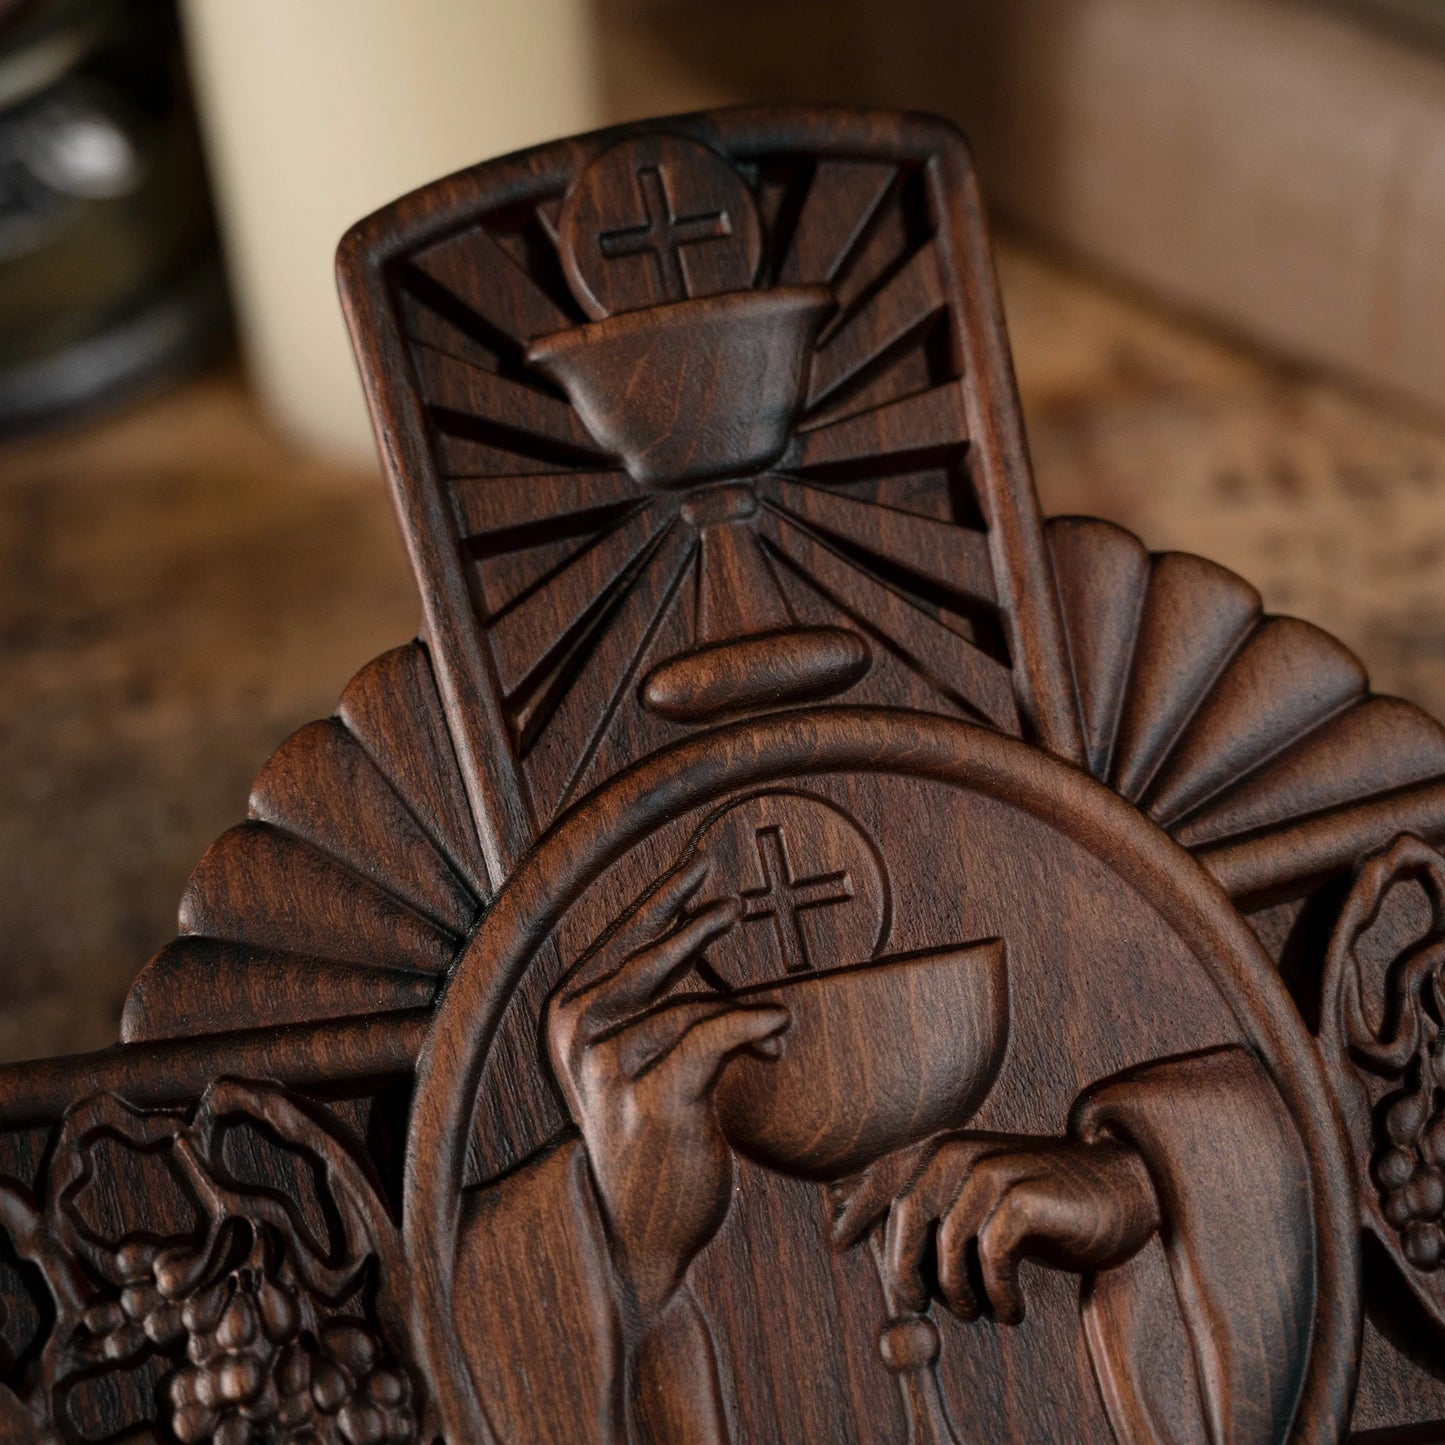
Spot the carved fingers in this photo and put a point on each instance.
(863, 1200)
(690, 1040)
(981, 1204)
(928, 1205)
(646, 975)
(631, 965)
(655, 911)
(1000, 1209)
(659, 1158)
(710, 1042)
(637, 1060)
(612, 1004)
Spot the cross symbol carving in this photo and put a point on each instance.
(784, 897)
(663, 235)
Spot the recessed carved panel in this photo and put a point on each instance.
(736, 376)
(1017, 1114)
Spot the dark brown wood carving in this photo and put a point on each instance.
(800, 949)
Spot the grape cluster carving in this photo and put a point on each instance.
(266, 1336)
(1382, 1041)
(1409, 1169)
(254, 1373)
(253, 1376)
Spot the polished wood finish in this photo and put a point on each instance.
(801, 947)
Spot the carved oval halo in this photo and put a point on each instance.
(593, 837)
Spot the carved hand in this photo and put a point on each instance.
(638, 1070)
(1068, 1204)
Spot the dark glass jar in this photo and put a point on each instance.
(109, 276)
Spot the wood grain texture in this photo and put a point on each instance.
(773, 801)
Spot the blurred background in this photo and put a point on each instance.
(1221, 242)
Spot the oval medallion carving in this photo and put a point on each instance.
(600, 954)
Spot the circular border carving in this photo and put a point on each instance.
(784, 748)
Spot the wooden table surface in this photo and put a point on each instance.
(182, 590)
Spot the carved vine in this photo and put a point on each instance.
(1389, 1074)
(234, 1312)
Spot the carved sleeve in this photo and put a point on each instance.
(1233, 1286)
(535, 1240)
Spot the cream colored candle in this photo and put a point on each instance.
(318, 111)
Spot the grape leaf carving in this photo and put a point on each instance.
(211, 1300)
(1385, 1054)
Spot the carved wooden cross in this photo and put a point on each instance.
(465, 1106)
(783, 897)
(664, 233)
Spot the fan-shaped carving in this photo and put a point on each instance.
(1236, 731)
(350, 887)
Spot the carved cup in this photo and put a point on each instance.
(880, 1095)
(695, 389)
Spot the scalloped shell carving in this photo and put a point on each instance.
(1229, 727)
(349, 889)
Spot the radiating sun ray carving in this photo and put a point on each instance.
(870, 509)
